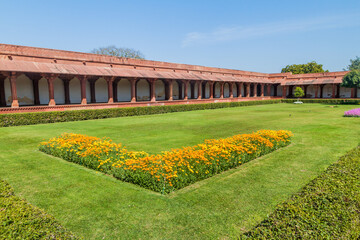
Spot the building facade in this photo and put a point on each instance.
(37, 79)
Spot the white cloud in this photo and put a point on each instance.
(244, 32)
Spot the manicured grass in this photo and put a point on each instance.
(94, 205)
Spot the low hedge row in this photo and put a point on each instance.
(323, 100)
(327, 208)
(18, 119)
(21, 220)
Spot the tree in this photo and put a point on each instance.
(298, 92)
(311, 67)
(351, 79)
(119, 52)
(354, 64)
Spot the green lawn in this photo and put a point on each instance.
(97, 206)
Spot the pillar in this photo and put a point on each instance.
(83, 89)
(333, 91)
(2, 91)
(354, 92)
(231, 95)
(199, 90)
(305, 90)
(255, 89)
(36, 90)
(50, 79)
(268, 90)
(152, 90)
(186, 90)
(92, 90)
(338, 91)
(316, 91)
(12, 77)
(133, 89)
(321, 90)
(211, 90)
(115, 90)
(222, 89)
(248, 90)
(109, 81)
(67, 90)
(284, 92)
(239, 87)
(275, 90)
(262, 89)
(170, 89)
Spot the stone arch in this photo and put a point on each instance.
(142, 90)
(43, 91)
(206, 90)
(24, 90)
(310, 91)
(101, 91)
(124, 90)
(217, 90)
(159, 90)
(226, 90)
(59, 91)
(279, 90)
(75, 91)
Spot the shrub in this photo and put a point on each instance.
(21, 220)
(352, 113)
(327, 208)
(170, 170)
(18, 119)
(325, 101)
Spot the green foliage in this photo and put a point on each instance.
(119, 52)
(299, 92)
(351, 79)
(311, 67)
(21, 220)
(354, 65)
(18, 119)
(327, 208)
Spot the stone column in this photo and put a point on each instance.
(248, 90)
(186, 90)
(133, 89)
(222, 89)
(239, 87)
(284, 92)
(333, 91)
(262, 89)
(109, 81)
(199, 90)
(321, 90)
(67, 90)
(115, 90)
(83, 89)
(231, 95)
(268, 90)
(211, 90)
(92, 90)
(170, 93)
(255, 89)
(2, 91)
(12, 77)
(316, 91)
(152, 90)
(50, 79)
(36, 90)
(338, 91)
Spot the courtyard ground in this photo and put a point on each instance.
(94, 205)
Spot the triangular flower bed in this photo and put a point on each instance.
(170, 170)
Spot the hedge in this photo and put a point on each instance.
(18, 119)
(327, 208)
(21, 220)
(323, 100)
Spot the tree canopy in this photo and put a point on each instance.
(119, 52)
(352, 79)
(354, 64)
(298, 92)
(311, 67)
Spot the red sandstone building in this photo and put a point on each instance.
(38, 79)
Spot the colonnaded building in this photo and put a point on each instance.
(38, 79)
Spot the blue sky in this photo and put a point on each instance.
(251, 35)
